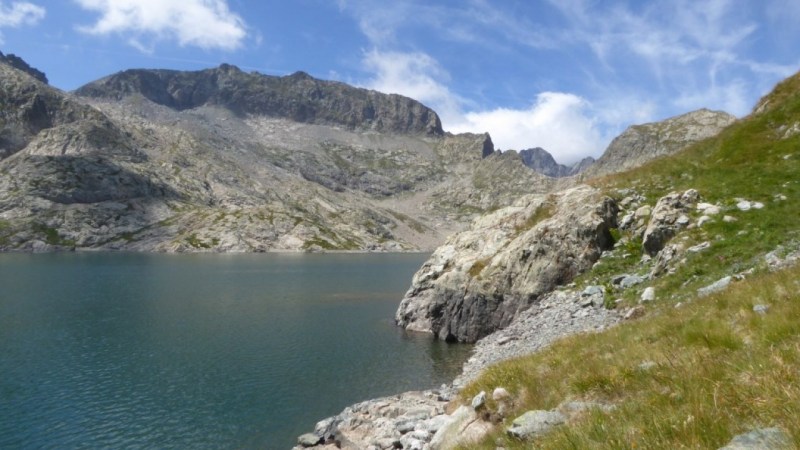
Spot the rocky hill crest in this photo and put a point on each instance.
(543, 162)
(297, 97)
(641, 143)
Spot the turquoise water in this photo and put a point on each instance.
(201, 351)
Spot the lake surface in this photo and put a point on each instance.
(201, 351)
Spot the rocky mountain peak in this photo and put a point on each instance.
(20, 64)
(540, 160)
(298, 97)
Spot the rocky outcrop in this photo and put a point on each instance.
(541, 161)
(20, 64)
(642, 143)
(409, 420)
(29, 107)
(297, 97)
(669, 216)
(558, 314)
(483, 277)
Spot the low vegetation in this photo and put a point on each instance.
(688, 377)
(543, 212)
(695, 371)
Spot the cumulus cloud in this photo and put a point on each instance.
(19, 14)
(561, 123)
(208, 24)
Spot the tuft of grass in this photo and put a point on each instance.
(477, 267)
(721, 369)
(543, 212)
(196, 242)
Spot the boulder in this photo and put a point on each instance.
(669, 216)
(483, 277)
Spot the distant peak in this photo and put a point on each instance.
(225, 67)
(300, 75)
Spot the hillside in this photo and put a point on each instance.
(226, 161)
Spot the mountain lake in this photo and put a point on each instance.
(125, 350)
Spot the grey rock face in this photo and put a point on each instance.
(483, 277)
(543, 162)
(297, 97)
(641, 143)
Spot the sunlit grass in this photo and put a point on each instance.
(720, 369)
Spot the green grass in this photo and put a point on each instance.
(543, 212)
(478, 266)
(721, 370)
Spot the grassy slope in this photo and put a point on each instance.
(721, 369)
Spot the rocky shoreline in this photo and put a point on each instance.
(429, 419)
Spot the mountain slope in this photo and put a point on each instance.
(220, 160)
(716, 352)
(641, 143)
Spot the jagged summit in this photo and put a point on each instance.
(543, 162)
(298, 97)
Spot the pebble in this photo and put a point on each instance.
(648, 295)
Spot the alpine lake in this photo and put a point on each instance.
(127, 350)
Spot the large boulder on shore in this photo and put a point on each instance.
(482, 277)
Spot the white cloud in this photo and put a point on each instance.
(561, 123)
(208, 24)
(19, 14)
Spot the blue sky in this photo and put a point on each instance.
(566, 75)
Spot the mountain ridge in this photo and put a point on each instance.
(298, 97)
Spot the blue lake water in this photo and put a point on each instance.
(201, 351)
